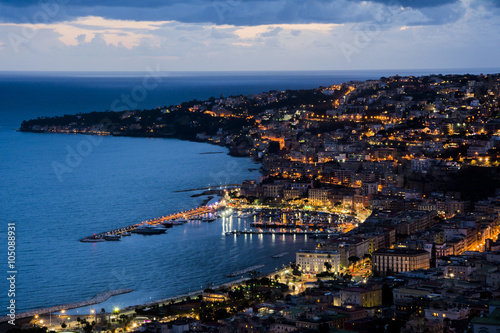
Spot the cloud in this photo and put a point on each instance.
(221, 33)
(220, 12)
(414, 3)
(273, 32)
(293, 35)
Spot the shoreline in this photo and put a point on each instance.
(104, 296)
(99, 298)
(230, 152)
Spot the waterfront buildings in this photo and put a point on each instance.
(390, 261)
(315, 261)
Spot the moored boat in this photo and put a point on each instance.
(209, 219)
(112, 237)
(148, 229)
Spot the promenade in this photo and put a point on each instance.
(99, 298)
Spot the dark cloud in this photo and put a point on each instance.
(414, 3)
(235, 12)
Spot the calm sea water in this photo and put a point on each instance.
(124, 181)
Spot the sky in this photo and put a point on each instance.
(248, 35)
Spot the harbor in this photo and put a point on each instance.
(273, 232)
(158, 225)
(270, 221)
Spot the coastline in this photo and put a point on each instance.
(104, 296)
(99, 298)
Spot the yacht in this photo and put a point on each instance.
(245, 215)
(167, 224)
(148, 229)
(209, 219)
(112, 237)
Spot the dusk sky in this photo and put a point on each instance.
(125, 35)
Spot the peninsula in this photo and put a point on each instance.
(415, 159)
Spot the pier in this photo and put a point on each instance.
(244, 271)
(291, 232)
(99, 298)
(185, 214)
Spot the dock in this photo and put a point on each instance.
(280, 255)
(244, 271)
(266, 232)
(99, 237)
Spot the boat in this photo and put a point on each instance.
(176, 222)
(244, 215)
(93, 239)
(126, 233)
(112, 237)
(148, 229)
(209, 219)
(182, 220)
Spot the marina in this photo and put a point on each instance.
(273, 232)
(156, 226)
(267, 221)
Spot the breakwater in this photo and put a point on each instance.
(184, 214)
(99, 298)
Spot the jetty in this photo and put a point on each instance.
(267, 232)
(280, 255)
(209, 188)
(244, 271)
(184, 214)
(99, 298)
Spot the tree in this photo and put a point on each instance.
(87, 326)
(323, 328)
(387, 296)
(433, 256)
(63, 325)
(353, 259)
(328, 266)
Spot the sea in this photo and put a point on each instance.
(119, 181)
